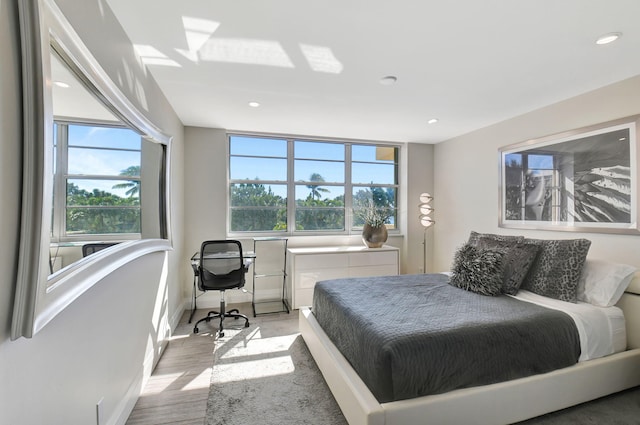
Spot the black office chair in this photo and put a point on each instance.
(221, 267)
(90, 248)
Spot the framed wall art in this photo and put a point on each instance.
(584, 180)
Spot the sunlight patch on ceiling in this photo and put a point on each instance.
(321, 59)
(197, 32)
(149, 55)
(245, 51)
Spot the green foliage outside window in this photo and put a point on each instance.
(100, 212)
(255, 207)
(375, 205)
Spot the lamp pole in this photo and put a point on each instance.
(426, 221)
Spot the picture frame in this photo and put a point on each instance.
(583, 180)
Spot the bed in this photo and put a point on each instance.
(599, 371)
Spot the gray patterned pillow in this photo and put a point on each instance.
(517, 261)
(556, 272)
(478, 270)
(475, 236)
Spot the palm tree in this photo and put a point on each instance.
(315, 189)
(132, 186)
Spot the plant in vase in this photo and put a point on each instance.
(375, 218)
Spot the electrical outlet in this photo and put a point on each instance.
(99, 420)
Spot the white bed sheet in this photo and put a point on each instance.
(601, 329)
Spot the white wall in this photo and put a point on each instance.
(417, 178)
(104, 344)
(466, 172)
(205, 198)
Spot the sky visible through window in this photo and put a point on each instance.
(325, 159)
(102, 161)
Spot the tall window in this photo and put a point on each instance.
(96, 181)
(319, 176)
(328, 181)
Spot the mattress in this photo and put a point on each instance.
(413, 335)
(602, 330)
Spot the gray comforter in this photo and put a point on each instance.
(414, 335)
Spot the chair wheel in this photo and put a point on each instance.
(195, 330)
(246, 325)
(220, 333)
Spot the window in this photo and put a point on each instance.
(319, 175)
(533, 187)
(97, 183)
(329, 182)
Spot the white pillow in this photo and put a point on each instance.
(602, 283)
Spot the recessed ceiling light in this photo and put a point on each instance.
(254, 104)
(61, 84)
(388, 80)
(432, 121)
(608, 38)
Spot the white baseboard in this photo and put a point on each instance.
(124, 408)
(175, 319)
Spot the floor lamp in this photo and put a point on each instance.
(426, 221)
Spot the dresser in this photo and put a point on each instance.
(306, 266)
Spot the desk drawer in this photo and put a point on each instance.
(308, 278)
(324, 261)
(373, 258)
(381, 270)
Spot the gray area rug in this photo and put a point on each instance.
(265, 375)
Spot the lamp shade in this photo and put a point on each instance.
(426, 221)
(425, 198)
(425, 209)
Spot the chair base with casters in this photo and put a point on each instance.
(222, 314)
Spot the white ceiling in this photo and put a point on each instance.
(315, 66)
(74, 101)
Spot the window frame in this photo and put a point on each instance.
(291, 183)
(61, 176)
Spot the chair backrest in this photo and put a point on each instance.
(221, 265)
(90, 248)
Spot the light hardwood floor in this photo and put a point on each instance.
(178, 389)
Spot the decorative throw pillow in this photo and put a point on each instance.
(603, 282)
(556, 271)
(475, 236)
(518, 259)
(478, 270)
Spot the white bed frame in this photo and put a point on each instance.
(501, 403)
